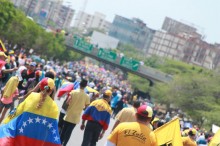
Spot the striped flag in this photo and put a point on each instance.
(29, 126)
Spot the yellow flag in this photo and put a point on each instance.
(169, 134)
(2, 47)
(216, 139)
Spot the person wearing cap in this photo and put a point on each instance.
(77, 101)
(37, 87)
(155, 123)
(190, 140)
(134, 133)
(98, 116)
(127, 114)
(29, 70)
(37, 107)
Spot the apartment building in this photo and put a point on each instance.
(64, 17)
(131, 31)
(179, 41)
(84, 21)
(167, 45)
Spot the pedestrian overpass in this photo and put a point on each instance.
(109, 57)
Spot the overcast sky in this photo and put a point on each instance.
(204, 14)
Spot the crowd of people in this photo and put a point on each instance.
(36, 84)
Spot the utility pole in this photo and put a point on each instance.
(82, 11)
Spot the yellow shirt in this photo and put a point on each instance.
(188, 141)
(126, 115)
(132, 134)
(79, 99)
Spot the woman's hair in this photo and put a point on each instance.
(46, 85)
(43, 96)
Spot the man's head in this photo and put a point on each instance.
(49, 74)
(192, 133)
(144, 113)
(3, 56)
(136, 104)
(107, 95)
(83, 83)
(32, 66)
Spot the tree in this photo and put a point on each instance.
(138, 82)
(195, 94)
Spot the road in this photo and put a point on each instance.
(77, 134)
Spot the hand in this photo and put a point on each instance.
(82, 127)
(15, 68)
(20, 97)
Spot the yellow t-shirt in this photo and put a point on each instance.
(126, 115)
(79, 99)
(132, 134)
(188, 141)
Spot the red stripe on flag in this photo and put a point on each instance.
(7, 141)
(24, 141)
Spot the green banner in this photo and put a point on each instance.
(107, 55)
(82, 45)
(130, 63)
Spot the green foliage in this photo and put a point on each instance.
(131, 51)
(195, 94)
(138, 82)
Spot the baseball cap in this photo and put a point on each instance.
(33, 64)
(145, 111)
(108, 93)
(46, 82)
(192, 131)
(11, 52)
(3, 54)
(155, 120)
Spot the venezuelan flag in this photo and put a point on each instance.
(67, 87)
(100, 111)
(29, 126)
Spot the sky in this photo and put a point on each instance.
(203, 14)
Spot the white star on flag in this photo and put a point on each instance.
(44, 121)
(54, 131)
(50, 125)
(24, 124)
(56, 138)
(21, 130)
(30, 120)
(37, 120)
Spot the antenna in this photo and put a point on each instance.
(82, 11)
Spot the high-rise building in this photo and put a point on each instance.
(182, 42)
(84, 21)
(45, 11)
(28, 6)
(167, 45)
(131, 31)
(64, 17)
